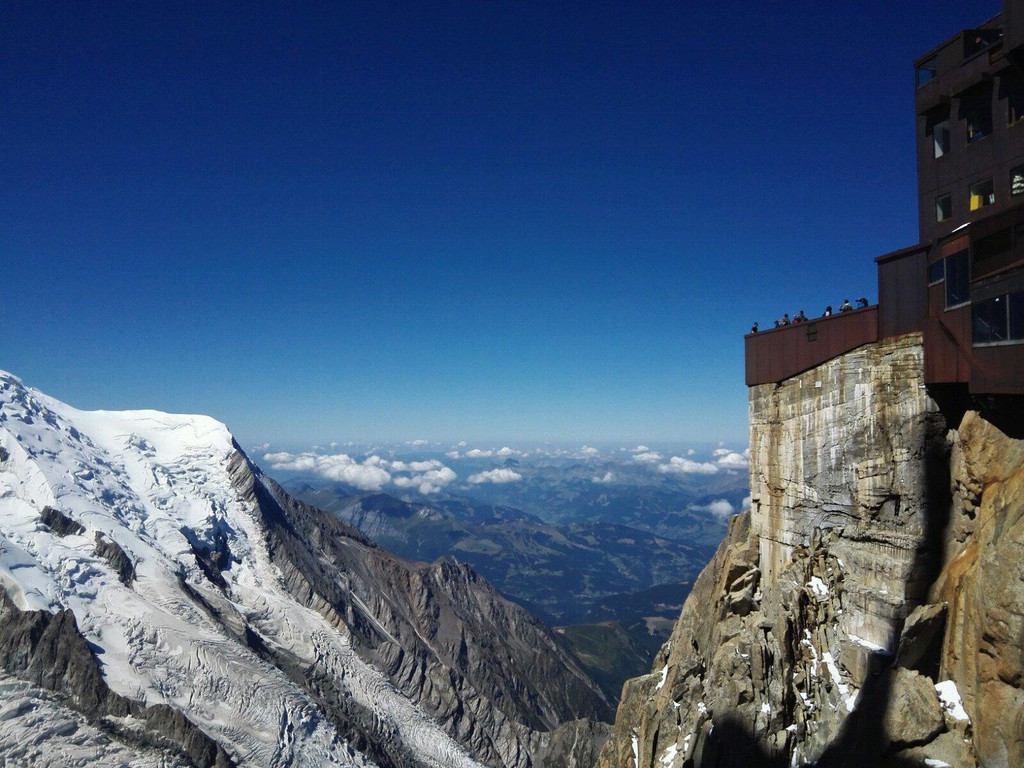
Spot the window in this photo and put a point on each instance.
(943, 207)
(990, 321)
(940, 139)
(977, 40)
(936, 272)
(1017, 181)
(990, 246)
(982, 194)
(976, 111)
(926, 71)
(999, 319)
(1016, 310)
(812, 332)
(958, 279)
(1015, 104)
(936, 125)
(1011, 88)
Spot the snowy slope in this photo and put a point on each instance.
(157, 485)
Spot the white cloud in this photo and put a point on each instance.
(505, 451)
(418, 442)
(720, 508)
(414, 466)
(495, 476)
(452, 454)
(462, 444)
(732, 460)
(690, 452)
(745, 504)
(650, 457)
(720, 452)
(476, 453)
(640, 449)
(334, 444)
(366, 476)
(607, 477)
(303, 461)
(428, 482)
(677, 465)
(586, 450)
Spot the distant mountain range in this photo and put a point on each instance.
(669, 505)
(561, 572)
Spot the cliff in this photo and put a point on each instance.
(868, 608)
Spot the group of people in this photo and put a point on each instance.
(800, 317)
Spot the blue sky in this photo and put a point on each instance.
(479, 221)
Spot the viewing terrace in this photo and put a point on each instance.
(779, 353)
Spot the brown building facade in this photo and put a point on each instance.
(962, 285)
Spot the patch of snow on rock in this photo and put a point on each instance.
(818, 588)
(949, 696)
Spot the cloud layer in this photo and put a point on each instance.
(371, 474)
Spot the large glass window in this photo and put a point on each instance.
(943, 207)
(982, 194)
(990, 321)
(936, 272)
(999, 319)
(958, 279)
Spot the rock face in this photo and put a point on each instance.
(875, 581)
(495, 677)
(983, 584)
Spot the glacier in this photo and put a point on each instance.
(179, 633)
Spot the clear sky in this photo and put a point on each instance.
(479, 220)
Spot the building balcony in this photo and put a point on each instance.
(780, 353)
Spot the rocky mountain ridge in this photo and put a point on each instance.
(868, 609)
(164, 599)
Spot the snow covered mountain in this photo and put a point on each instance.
(163, 599)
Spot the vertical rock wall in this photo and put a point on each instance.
(982, 583)
(876, 578)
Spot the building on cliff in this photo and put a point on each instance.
(962, 285)
(868, 610)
